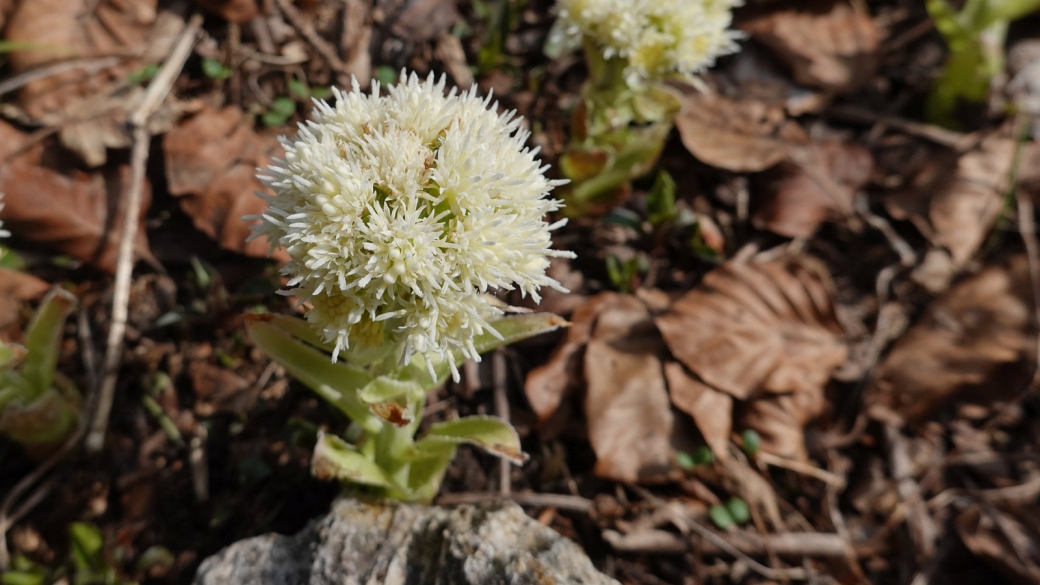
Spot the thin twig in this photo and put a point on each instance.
(955, 140)
(89, 66)
(788, 544)
(323, 48)
(801, 468)
(560, 501)
(501, 381)
(150, 102)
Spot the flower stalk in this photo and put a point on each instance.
(401, 213)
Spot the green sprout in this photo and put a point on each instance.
(975, 36)
(39, 408)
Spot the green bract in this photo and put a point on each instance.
(385, 399)
(39, 407)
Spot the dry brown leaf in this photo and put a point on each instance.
(424, 20)
(831, 45)
(818, 183)
(1002, 541)
(973, 344)
(211, 162)
(89, 106)
(236, 11)
(75, 213)
(15, 289)
(750, 328)
(764, 333)
(739, 136)
(613, 352)
(710, 409)
(962, 205)
(547, 386)
(626, 403)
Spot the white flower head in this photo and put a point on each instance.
(401, 211)
(657, 38)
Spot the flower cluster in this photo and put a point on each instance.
(657, 38)
(401, 211)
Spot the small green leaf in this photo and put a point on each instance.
(284, 105)
(43, 339)
(23, 578)
(386, 75)
(299, 89)
(214, 69)
(86, 545)
(738, 510)
(624, 217)
(334, 458)
(660, 202)
(383, 389)
(685, 460)
(752, 441)
(143, 74)
(703, 456)
(720, 516)
(492, 434)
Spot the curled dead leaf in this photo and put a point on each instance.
(739, 136)
(75, 213)
(15, 289)
(957, 209)
(828, 44)
(971, 345)
(626, 403)
(817, 183)
(711, 410)
(211, 162)
(89, 105)
(760, 332)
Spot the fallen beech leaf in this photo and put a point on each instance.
(547, 386)
(211, 162)
(236, 11)
(818, 183)
(75, 214)
(961, 205)
(15, 289)
(999, 539)
(764, 333)
(831, 45)
(971, 345)
(780, 420)
(710, 409)
(89, 105)
(626, 402)
(739, 136)
(420, 21)
(750, 328)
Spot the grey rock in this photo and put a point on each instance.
(401, 544)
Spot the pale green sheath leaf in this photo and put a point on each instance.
(492, 434)
(334, 458)
(336, 382)
(43, 339)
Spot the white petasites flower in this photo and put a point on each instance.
(657, 38)
(400, 212)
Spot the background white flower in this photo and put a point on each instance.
(399, 213)
(656, 37)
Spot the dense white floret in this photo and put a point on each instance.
(400, 212)
(657, 38)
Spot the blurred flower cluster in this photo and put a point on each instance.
(656, 38)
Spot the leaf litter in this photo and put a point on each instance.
(726, 374)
